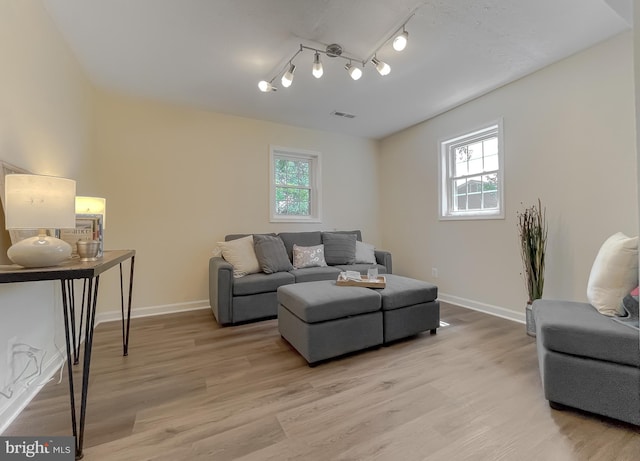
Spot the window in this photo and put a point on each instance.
(471, 175)
(295, 190)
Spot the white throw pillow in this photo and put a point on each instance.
(241, 255)
(614, 274)
(365, 253)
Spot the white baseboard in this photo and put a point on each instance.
(116, 314)
(482, 307)
(26, 395)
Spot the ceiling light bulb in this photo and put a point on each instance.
(382, 67)
(354, 71)
(265, 86)
(287, 78)
(317, 70)
(400, 42)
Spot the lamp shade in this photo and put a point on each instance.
(92, 205)
(39, 202)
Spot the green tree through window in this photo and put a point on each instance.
(294, 182)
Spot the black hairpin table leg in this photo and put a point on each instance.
(126, 322)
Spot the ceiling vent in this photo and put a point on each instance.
(342, 114)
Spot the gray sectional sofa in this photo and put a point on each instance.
(253, 297)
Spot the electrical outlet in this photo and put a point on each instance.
(434, 272)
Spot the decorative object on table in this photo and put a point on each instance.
(532, 228)
(39, 202)
(88, 227)
(354, 279)
(91, 208)
(88, 249)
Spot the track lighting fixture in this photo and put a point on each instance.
(354, 72)
(287, 78)
(317, 70)
(398, 38)
(400, 42)
(382, 67)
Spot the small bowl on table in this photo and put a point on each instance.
(88, 249)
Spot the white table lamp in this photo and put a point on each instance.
(92, 205)
(39, 202)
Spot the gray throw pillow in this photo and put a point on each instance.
(271, 254)
(339, 248)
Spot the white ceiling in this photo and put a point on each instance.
(211, 54)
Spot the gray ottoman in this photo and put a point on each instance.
(322, 320)
(409, 307)
(587, 360)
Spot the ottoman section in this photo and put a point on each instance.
(322, 320)
(409, 307)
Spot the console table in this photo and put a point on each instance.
(89, 272)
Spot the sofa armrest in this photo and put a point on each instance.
(221, 289)
(384, 258)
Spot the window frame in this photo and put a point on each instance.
(446, 180)
(315, 203)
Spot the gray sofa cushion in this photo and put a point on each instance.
(321, 301)
(339, 248)
(357, 233)
(303, 239)
(261, 283)
(402, 292)
(271, 254)
(579, 329)
(313, 274)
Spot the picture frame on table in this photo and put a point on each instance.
(88, 227)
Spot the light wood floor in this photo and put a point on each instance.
(191, 390)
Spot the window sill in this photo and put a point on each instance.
(472, 217)
(294, 220)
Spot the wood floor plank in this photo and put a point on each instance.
(191, 390)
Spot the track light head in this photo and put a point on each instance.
(354, 72)
(382, 67)
(265, 86)
(317, 70)
(400, 42)
(287, 78)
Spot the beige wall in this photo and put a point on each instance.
(569, 137)
(45, 127)
(177, 180)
